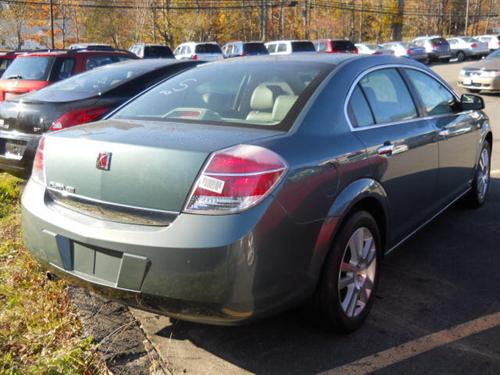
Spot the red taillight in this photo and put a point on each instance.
(409, 52)
(78, 117)
(38, 173)
(243, 54)
(355, 50)
(473, 45)
(236, 179)
(194, 57)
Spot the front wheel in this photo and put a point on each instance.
(460, 56)
(349, 280)
(481, 183)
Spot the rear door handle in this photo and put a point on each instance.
(391, 149)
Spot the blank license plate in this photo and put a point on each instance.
(467, 81)
(14, 150)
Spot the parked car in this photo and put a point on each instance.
(373, 49)
(288, 47)
(198, 51)
(152, 51)
(482, 75)
(408, 50)
(492, 40)
(335, 46)
(463, 47)
(437, 48)
(33, 71)
(80, 99)
(203, 199)
(239, 49)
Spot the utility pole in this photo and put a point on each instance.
(466, 17)
(52, 23)
(306, 19)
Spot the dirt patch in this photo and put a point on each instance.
(118, 337)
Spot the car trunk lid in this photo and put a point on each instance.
(151, 165)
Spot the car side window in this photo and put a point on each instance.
(436, 98)
(63, 69)
(388, 96)
(96, 61)
(360, 113)
(282, 47)
(271, 48)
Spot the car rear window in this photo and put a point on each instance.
(33, 68)
(343, 45)
(255, 48)
(89, 84)
(252, 94)
(208, 48)
(158, 52)
(303, 47)
(4, 63)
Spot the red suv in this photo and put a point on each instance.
(33, 71)
(335, 46)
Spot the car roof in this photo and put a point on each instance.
(76, 52)
(150, 63)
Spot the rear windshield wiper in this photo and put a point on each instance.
(15, 76)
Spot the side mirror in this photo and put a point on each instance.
(471, 102)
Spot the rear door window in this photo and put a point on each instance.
(343, 45)
(255, 48)
(208, 48)
(158, 52)
(34, 68)
(388, 96)
(63, 68)
(436, 98)
(360, 113)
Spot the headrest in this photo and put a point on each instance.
(262, 98)
(282, 106)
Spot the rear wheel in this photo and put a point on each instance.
(481, 183)
(460, 56)
(350, 275)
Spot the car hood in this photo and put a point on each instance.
(485, 64)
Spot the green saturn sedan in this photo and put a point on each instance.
(241, 188)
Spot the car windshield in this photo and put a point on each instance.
(255, 48)
(303, 47)
(253, 94)
(208, 48)
(89, 84)
(469, 40)
(494, 55)
(35, 68)
(373, 46)
(158, 52)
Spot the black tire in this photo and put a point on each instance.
(460, 56)
(478, 194)
(327, 308)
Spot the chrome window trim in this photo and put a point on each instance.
(396, 66)
(101, 202)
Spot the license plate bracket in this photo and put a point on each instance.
(14, 150)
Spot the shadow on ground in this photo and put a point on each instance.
(447, 274)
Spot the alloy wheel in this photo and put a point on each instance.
(483, 175)
(357, 272)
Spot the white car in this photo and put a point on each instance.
(373, 49)
(492, 40)
(463, 47)
(287, 47)
(208, 51)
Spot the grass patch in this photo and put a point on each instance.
(39, 329)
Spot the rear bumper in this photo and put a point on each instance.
(20, 167)
(210, 269)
